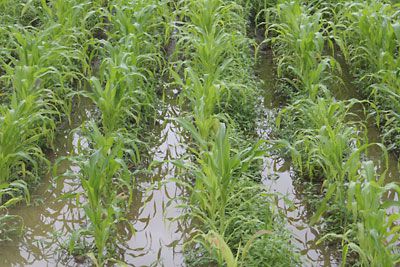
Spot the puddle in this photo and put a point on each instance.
(157, 241)
(47, 213)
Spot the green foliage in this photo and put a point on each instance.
(40, 62)
(299, 37)
(215, 49)
(214, 177)
(253, 235)
(368, 34)
(103, 174)
(234, 212)
(323, 139)
(375, 235)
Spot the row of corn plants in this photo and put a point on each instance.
(40, 63)
(122, 87)
(235, 218)
(324, 138)
(108, 51)
(368, 34)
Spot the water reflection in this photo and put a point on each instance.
(158, 239)
(48, 214)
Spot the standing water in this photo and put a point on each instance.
(52, 217)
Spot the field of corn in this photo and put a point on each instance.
(199, 133)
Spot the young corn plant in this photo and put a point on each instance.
(21, 159)
(214, 40)
(103, 175)
(299, 39)
(37, 68)
(378, 233)
(368, 34)
(233, 211)
(139, 28)
(119, 93)
(25, 13)
(125, 88)
(41, 66)
(20, 155)
(326, 146)
(215, 177)
(319, 127)
(374, 237)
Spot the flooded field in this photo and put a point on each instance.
(48, 223)
(199, 133)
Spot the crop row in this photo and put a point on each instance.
(110, 52)
(40, 66)
(236, 220)
(368, 34)
(325, 140)
(124, 90)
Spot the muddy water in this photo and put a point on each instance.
(48, 213)
(159, 239)
(51, 219)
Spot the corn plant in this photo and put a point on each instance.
(322, 130)
(22, 12)
(216, 242)
(21, 159)
(326, 146)
(125, 88)
(299, 39)
(140, 29)
(235, 213)
(20, 155)
(375, 234)
(215, 40)
(368, 34)
(103, 175)
(36, 70)
(214, 175)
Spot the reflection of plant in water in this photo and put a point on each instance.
(10, 225)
